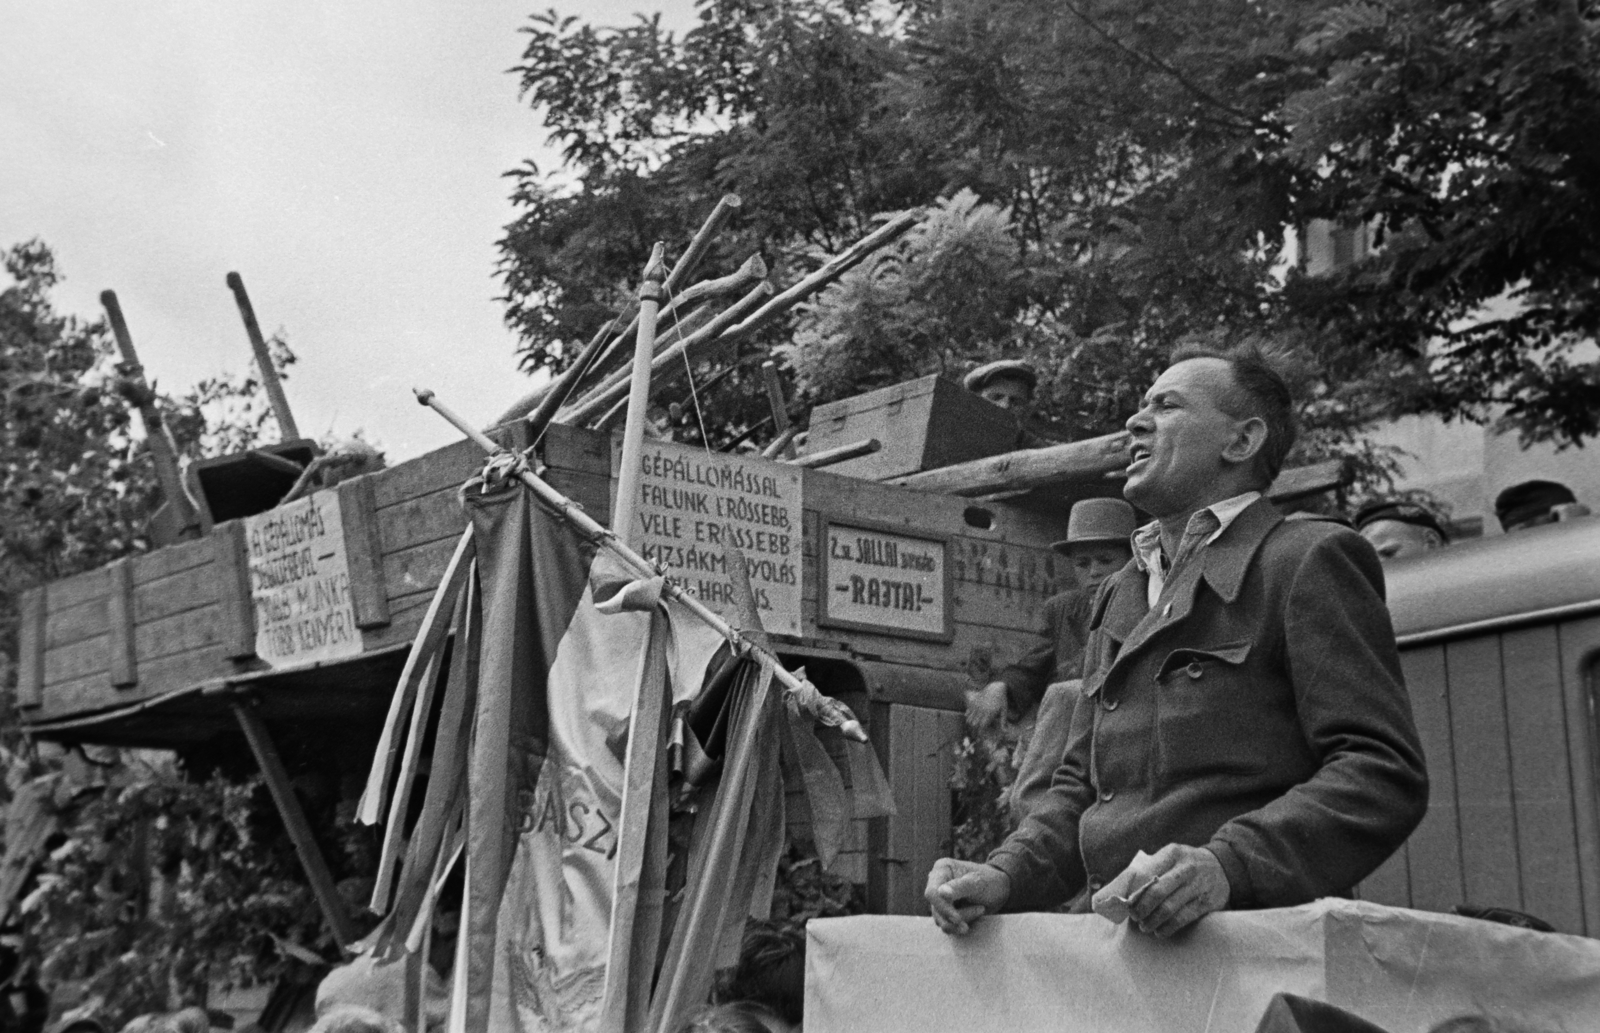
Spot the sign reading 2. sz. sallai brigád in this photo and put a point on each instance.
(300, 583)
(875, 579)
(693, 503)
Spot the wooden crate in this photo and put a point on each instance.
(921, 424)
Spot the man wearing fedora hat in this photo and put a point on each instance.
(1096, 546)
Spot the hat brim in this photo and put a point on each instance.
(1065, 545)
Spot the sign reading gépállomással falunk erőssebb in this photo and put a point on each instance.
(694, 503)
(300, 583)
(879, 579)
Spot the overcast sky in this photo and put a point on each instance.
(344, 157)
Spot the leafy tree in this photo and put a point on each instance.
(76, 486)
(1154, 162)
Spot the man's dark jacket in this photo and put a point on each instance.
(1258, 710)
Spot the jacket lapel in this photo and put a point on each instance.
(1222, 565)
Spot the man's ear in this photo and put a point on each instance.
(1249, 437)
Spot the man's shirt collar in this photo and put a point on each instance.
(1147, 539)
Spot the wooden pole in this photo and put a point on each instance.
(607, 395)
(287, 431)
(644, 351)
(157, 438)
(780, 406)
(294, 820)
(829, 711)
(1028, 468)
(837, 454)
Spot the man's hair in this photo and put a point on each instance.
(1260, 391)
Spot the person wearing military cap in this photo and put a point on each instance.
(1532, 503)
(1097, 546)
(1397, 528)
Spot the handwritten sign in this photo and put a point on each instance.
(885, 581)
(692, 504)
(300, 583)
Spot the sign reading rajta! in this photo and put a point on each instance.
(300, 583)
(693, 504)
(875, 579)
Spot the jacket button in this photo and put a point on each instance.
(1096, 885)
(1106, 795)
(1111, 704)
(1194, 670)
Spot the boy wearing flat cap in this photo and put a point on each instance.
(1008, 383)
(1398, 529)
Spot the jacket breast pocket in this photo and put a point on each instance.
(1208, 717)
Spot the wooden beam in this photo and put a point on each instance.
(363, 549)
(121, 656)
(294, 820)
(231, 565)
(1087, 460)
(30, 648)
(837, 454)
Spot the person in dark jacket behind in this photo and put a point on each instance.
(1096, 546)
(1243, 738)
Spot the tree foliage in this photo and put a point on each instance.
(76, 487)
(1154, 162)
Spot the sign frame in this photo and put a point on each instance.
(826, 619)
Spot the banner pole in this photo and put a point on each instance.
(830, 711)
(644, 350)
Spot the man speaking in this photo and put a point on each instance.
(1244, 738)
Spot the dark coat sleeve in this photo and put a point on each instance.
(1042, 856)
(1027, 679)
(1370, 789)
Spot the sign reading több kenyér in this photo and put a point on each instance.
(876, 579)
(694, 503)
(300, 583)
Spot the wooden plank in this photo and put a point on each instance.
(1435, 847)
(180, 592)
(78, 589)
(81, 658)
(180, 633)
(68, 624)
(919, 776)
(363, 548)
(1483, 773)
(1580, 683)
(94, 692)
(1541, 782)
(445, 467)
(418, 569)
(170, 560)
(122, 660)
(31, 616)
(418, 521)
(843, 497)
(577, 449)
(237, 613)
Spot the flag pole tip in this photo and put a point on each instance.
(424, 395)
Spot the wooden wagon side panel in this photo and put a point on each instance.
(1580, 687)
(1488, 817)
(1434, 851)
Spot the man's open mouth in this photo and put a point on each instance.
(1138, 455)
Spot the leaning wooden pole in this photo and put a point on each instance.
(156, 436)
(829, 711)
(294, 820)
(287, 431)
(644, 350)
